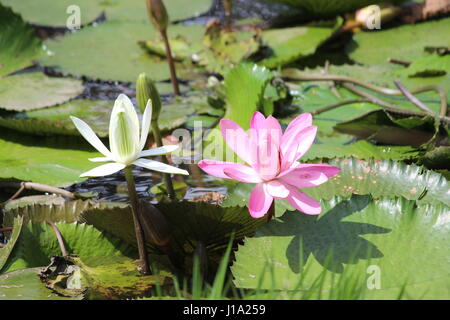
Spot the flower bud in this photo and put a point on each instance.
(154, 224)
(158, 14)
(145, 90)
(371, 17)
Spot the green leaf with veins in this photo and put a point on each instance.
(293, 252)
(244, 91)
(191, 223)
(37, 243)
(385, 178)
(18, 44)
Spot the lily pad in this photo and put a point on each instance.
(35, 90)
(7, 249)
(395, 237)
(44, 160)
(25, 285)
(42, 208)
(55, 13)
(430, 66)
(360, 150)
(326, 8)
(18, 44)
(191, 223)
(110, 51)
(389, 128)
(175, 115)
(223, 50)
(56, 120)
(384, 178)
(37, 243)
(290, 44)
(403, 43)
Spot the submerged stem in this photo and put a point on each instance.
(137, 225)
(166, 176)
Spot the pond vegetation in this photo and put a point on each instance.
(208, 149)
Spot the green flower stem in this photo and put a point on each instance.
(173, 73)
(166, 176)
(137, 225)
(271, 212)
(59, 237)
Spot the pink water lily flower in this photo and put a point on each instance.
(272, 165)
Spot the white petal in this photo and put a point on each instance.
(101, 159)
(158, 151)
(159, 166)
(146, 120)
(90, 136)
(104, 170)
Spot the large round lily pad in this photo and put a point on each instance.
(110, 51)
(56, 120)
(35, 90)
(383, 248)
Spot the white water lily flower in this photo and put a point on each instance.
(125, 142)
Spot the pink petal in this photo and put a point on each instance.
(265, 137)
(303, 142)
(303, 178)
(216, 168)
(303, 202)
(242, 173)
(236, 138)
(267, 162)
(257, 121)
(297, 125)
(277, 189)
(328, 170)
(260, 201)
(273, 126)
